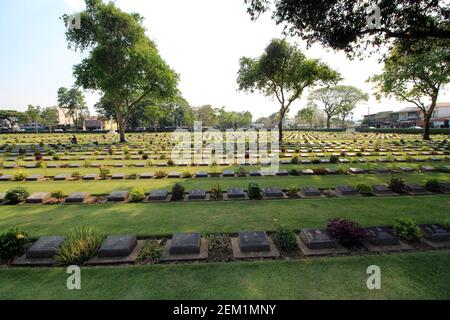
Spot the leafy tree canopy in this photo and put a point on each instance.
(343, 25)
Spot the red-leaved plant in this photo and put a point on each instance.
(347, 232)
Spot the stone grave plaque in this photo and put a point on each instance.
(146, 175)
(61, 177)
(310, 192)
(356, 170)
(45, 248)
(236, 193)
(6, 177)
(273, 192)
(158, 195)
(381, 236)
(305, 161)
(117, 246)
(382, 189)
(444, 187)
(91, 176)
(317, 239)
(2, 197)
(435, 232)
(346, 191)
(255, 173)
(118, 176)
(282, 173)
(307, 171)
(174, 175)
(228, 173)
(381, 170)
(38, 197)
(197, 195)
(118, 196)
(415, 188)
(331, 170)
(74, 165)
(201, 174)
(77, 197)
(118, 165)
(185, 243)
(34, 177)
(406, 169)
(253, 241)
(427, 168)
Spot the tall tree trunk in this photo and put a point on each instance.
(328, 121)
(427, 117)
(120, 123)
(280, 125)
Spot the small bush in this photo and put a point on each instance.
(284, 238)
(151, 252)
(137, 195)
(170, 163)
(397, 184)
(364, 189)
(19, 176)
(16, 195)
(160, 174)
(12, 243)
(104, 173)
(432, 185)
(345, 231)
(241, 172)
(292, 191)
(177, 192)
(132, 176)
(446, 223)
(216, 192)
(59, 195)
(81, 244)
(186, 174)
(295, 160)
(334, 159)
(254, 191)
(320, 171)
(315, 161)
(76, 175)
(294, 172)
(145, 156)
(407, 229)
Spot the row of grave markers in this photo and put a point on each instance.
(124, 249)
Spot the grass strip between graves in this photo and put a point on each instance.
(147, 219)
(421, 275)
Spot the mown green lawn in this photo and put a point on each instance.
(215, 217)
(403, 276)
(103, 187)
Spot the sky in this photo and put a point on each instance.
(202, 40)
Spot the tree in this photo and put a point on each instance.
(352, 26)
(207, 115)
(10, 119)
(416, 75)
(270, 121)
(306, 115)
(336, 100)
(49, 116)
(122, 62)
(283, 72)
(233, 120)
(72, 101)
(33, 115)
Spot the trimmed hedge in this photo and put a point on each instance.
(404, 130)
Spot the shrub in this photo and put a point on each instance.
(294, 172)
(59, 195)
(104, 173)
(76, 175)
(80, 245)
(396, 184)
(345, 231)
(315, 161)
(406, 228)
(292, 191)
(254, 191)
(432, 185)
(12, 243)
(446, 223)
(170, 163)
(132, 176)
(151, 252)
(16, 195)
(295, 160)
(334, 159)
(364, 189)
(186, 174)
(177, 192)
(284, 238)
(56, 157)
(241, 172)
(137, 195)
(19, 176)
(160, 174)
(216, 192)
(320, 171)
(145, 156)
